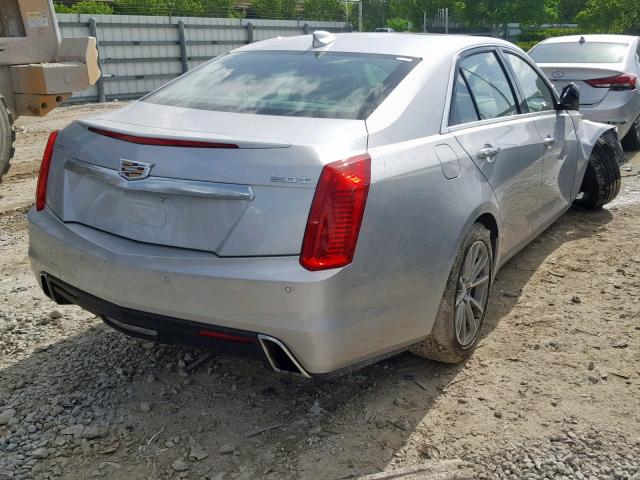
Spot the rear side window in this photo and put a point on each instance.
(537, 95)
(488, 84)
(463, 109)
(575, 52)
(289, 83)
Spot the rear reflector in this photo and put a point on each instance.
(619, 82)
(43, 176)
(227, 337)
(160, 142)
(336, 214)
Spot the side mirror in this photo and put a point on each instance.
(570, 98)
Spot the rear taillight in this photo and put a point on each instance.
(619, 82)
(161, 142)
(336, 214)
(43, 176)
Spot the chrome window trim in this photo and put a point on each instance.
(163, 185)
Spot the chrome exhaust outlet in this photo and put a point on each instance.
(279, 356)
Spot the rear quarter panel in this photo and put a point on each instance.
(418, 210)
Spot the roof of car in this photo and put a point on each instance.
(407, 44)
(591, 38)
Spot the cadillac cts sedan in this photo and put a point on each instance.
(606, 68)
(319, 202)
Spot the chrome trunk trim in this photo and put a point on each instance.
(169, 186)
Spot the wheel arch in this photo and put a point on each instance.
(489, 221)
(488, 215)
(589, 133)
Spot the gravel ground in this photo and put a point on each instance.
(553, 391)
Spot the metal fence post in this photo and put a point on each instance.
(306, 29)
(249, 32)
(93, 31)
(184, 59)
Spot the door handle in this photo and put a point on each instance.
(488, 152)
(549, 141)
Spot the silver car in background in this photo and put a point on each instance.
(319, 201)
(606, 68)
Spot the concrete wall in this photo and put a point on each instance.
(139, 54)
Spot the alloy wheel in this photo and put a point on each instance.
(472, 293)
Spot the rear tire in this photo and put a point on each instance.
(601, 182)
(631, 140)
(7, 137)
(447, 343)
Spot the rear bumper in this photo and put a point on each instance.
(321, 318)
(176, 331)
(618, 108)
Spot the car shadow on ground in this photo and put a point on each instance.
(340, 428)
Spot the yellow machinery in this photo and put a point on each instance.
(38, 69)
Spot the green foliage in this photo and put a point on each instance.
(610, 16)
(568, 9)
(538, 35)
(413, 10)
(398, 24)
(501, 12)
(526, 46)
(375, 13)
(178, 8)
(90, 7)
(278, 9)
(329, 10)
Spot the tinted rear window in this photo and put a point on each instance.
(302, 84)
(579, 52)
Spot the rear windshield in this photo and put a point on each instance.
(600, 52)
(301, 84)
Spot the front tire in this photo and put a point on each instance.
(7, 137)
(458, 323)
(601, 182)
(631, 140)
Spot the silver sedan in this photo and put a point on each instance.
(606, 68)
(319, 201)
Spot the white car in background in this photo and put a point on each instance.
(606, 68)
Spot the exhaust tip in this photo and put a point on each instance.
(279, 356)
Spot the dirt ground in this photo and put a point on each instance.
(553, 390)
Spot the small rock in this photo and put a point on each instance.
(179, 466)
(55, 314)
(145, 406)
(508, 294)
(576, 299)
(315, 409)
(90, 432)
(497, 414)
(40, 453)
(227, 448)
(403, 424)
(75, 430)
(591, 366)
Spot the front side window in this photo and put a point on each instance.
(289, 83)
(537, 95)
(489, 85)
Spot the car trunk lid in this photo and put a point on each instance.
(563, 74)
(248, 194)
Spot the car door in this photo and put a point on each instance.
(558, 137)
(505, 145)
